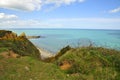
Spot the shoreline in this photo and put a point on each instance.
(44, 53)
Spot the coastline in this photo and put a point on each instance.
(44, 53)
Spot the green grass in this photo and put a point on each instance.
(88, 63)
(3, 49)
(97, 63)
(15, 69)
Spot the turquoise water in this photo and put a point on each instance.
(55, 39)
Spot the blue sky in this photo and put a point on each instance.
(83, 14)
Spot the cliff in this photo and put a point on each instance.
(7, 34)
(18, 44)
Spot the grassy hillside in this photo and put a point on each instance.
(88, 63)
(91, 63)
(28, 68)
(84, 63)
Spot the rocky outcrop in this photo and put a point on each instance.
(22, 34)
(28, 37)
(32, 37)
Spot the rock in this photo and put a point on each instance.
(27, 68)
(14, 34)
(33, 37)
(68, 75)
(31, 79)
(22, 34)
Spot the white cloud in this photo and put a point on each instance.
(91, 23)
(59, 2)
(31, 5)
(115, 10)
(25, 5)
(7, 19)
(4, 16)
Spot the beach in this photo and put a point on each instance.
(45, 54)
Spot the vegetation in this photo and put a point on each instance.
(86, 63)
(28, 68)
(83, 63)
(92, 63)
(18, 44)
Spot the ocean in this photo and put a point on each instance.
(53, 40)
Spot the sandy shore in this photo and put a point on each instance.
(45, 54)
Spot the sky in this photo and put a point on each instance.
(82, 14)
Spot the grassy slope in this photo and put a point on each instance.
(15, 69)
(87, 64)
(92, 63)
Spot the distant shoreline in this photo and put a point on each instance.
(55, 29)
